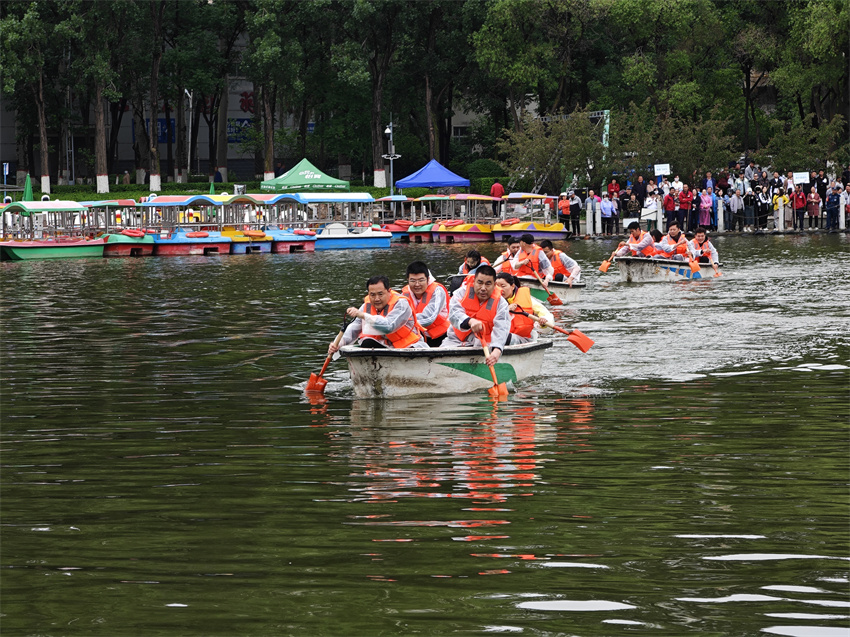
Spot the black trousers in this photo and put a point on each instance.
(435, 342)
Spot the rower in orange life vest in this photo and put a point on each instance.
(386, 319)
(503, 263)
(479, 311)
(472, 261)
(672, 245)
(531, 259)
(523, 328)
(702, 251)
(430, 302)
(639, 243)
(565, 268)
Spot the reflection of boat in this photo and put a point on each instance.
(646, 270)
(538, 229)
(455, 231)
(560, 289)
(394, 373)
(336, 236)
(181, 242)
(51, 249)
(121, 244)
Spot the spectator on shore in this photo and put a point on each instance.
(676, 183)
(686, 198)
(780, 208)
(665, 186)
(736, 211)
(708, 182)
(749, 211)
(633, 207)
(845, 204)
(564, 210)
(705, 205)
(126, 178)
(845, 176)
(497, 190)
(279, 169)
(763, 205)
(670, 206)
(822, 184)
(813, 181)
(575, 213)
(613, 189)
(650, 210)
(776, 183)
(789, 182)
(723, 182)
(833, 202)
(798, 201)
(813, 203)
(764, 181)
(639, 190)
(607, 208)
(591, 205)
(751, 174)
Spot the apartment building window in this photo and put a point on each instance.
(460, 131)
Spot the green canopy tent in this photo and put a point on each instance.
(304, 176)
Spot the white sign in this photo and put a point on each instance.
(662, 169)
(800, 178)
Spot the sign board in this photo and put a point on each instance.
(662, 169)
(5, 168)
(800, 178)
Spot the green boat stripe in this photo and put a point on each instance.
(504, 371)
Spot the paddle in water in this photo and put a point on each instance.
(607, 262)
(553, 298)
(576, 337)
(498, 389)
(317, 384)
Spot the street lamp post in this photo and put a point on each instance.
(391, 155)
(189, 144)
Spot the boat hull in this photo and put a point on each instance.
(421, 234)
(462, 233)
(392, 373)
(645, 270)
(179, 249)
(285, 246)
(352, 243)
(251, 247)
(540, 231)
(562, 290)
(119, 245)
(37, 250)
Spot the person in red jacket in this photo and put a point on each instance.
(685, 199)
(798, 199)
(497, 190)
(670, 207)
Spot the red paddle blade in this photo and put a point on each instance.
(316, 384)
(497, 391)
(554, 300)
(605, 265)
(493, 391)
(580, 340)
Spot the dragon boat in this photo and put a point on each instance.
(648, 270)
(402, 373)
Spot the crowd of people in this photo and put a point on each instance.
(749, 199)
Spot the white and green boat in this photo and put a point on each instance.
(402, 373)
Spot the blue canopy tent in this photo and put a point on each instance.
(432, 175)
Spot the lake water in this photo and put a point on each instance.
(163, 473)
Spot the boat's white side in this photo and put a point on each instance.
(646, 270)
(394, 373)
(560, 289)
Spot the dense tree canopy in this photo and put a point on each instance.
(689, 82)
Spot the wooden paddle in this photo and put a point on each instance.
(576, 337)
(316, 384)
(607, 262)
(553, 298)
(498, 389)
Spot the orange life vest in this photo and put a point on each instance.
(522, 325)
(485, 312)
(703, 250)
(681, 244)
(648, 251)
(506, 263)
(532, 266)
(404, 336)
(558, 265)
(441, 324)
(484, 261)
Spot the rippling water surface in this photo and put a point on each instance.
(163, 474)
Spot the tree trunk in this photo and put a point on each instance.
(268, 132)
(156, 59)
(181, 175)
(116, 114)
(100, 163)
(376, 118)
(221, 131)
(302, 129)
(429, 117)
(748, 93)
(42, 136)
(193, 142)
(169, 141)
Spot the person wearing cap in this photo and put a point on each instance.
(833, 202)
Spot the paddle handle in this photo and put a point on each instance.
(537, 319)
(328, 359)
(541, 282)
(492, 369)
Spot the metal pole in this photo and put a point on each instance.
(189, 157)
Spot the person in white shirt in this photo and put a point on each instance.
(676, 183)
(702, 251)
